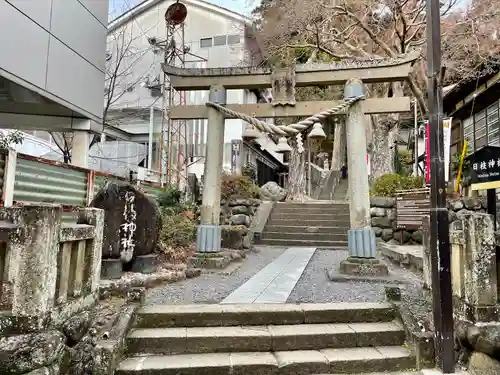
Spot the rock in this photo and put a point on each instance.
(393, 242)
(193, 272)
(377, 211)
(377, 231)
(240, 219)
(384, 202)
(391, 214)
(461, 329)
(417, 236)
(472, 203)
(247, 241)
(240, 210)
(76, 327)
(488, 340)
(50, 370)
(81, 357)
(238, 201)
(271, 191)
(381, 222)
(406, 235)
(24, 353)
(456, 205)
(482, 364)
(462, 213)
(386, 234)
(134, 233)
(232, 236)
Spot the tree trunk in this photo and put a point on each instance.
(384, 135)
(297, 174)
(339, 146)
(382, 153)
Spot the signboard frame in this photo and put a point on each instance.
(419, 204)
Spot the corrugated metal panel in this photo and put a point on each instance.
(3, 158)
(41, 182)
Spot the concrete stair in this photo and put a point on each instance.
(341, 192)
(308, 224)
(266, 339)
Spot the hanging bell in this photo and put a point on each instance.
(317, 132)
(250, 132)
(283, 146)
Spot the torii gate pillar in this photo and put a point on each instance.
(208, 238)
(361, 238)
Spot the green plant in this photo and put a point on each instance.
(240, 186)
(178, 229)
(387, 184)
(170, 196)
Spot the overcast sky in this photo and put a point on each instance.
(116, 7)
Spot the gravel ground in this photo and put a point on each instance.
(315, 287)
(213, 287)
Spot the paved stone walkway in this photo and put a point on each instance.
(275, 282)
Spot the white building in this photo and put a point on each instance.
(52, 67)
(214, 37)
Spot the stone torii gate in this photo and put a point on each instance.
(352, 74)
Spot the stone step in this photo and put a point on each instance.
(309, 222)
(307, 229)
(307, 216)
(316, 205)
(326, 361)
(271, 235)
(215, 315)
(302, 243)
(193, 340)
(327, 210)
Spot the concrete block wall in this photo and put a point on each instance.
(383, 213)
(50, 270)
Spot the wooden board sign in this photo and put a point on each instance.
(410, 210)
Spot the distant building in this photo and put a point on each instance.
(51, 72)
(214, 37)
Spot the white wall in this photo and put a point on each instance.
(58, 47)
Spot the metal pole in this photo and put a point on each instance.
(439, 225)
(150, 140)
(415, 141)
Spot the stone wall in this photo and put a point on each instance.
(383, 213)
(236, 218)
(49, 289)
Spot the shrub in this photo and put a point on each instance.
(170, 196)
(178, 230)
(238, 186)
(387, 184)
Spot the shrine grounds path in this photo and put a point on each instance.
(313, 284)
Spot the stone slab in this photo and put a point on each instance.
(262, 338)
(145, 263)
(212, 315)
(111, 269)
(208, 260)
(351, 361)
(275, 282)
(404, 255)
(370, 267)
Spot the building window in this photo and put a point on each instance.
(220, 40)
(233, 39)
(206, 43)
(493, 122)
(483, 128)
